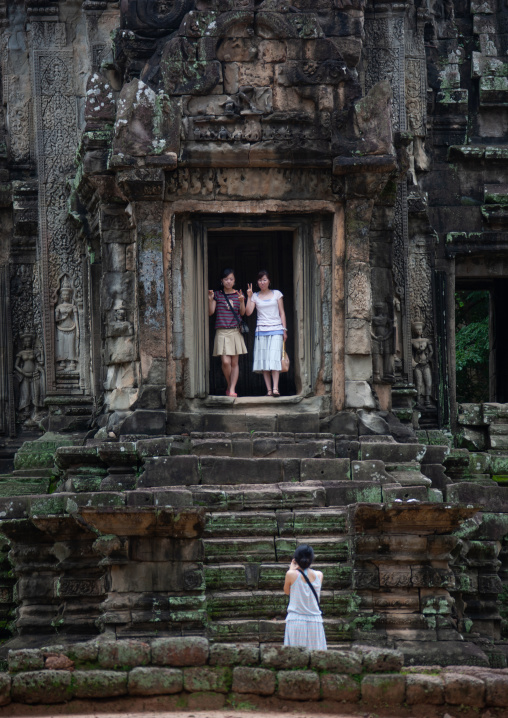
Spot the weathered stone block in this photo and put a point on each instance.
(359, 395)
(273, 656)
(84, 652)
(461, 689)
(370, 471)
(298, 685)
(336, 661)
(42, 687)
(424, 689)
(259, 681)
(337, 687)
(386, 689)
(240, 471)
(5, 689)
(170, 471)
(155, 681)
(325, 469)
(99, 684)
(25, 659)
(496, 690)
(192, 651)
(123, 654)
(58, 662)
(344, 493)
(380, 660)
(207, 678)
(234, 654)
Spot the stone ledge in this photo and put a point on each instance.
(195, 686)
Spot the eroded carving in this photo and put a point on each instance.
(29, 369)
(67, 329)
(383, 349)
(422, 355)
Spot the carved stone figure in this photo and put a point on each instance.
(383, 335)
(422, 355)
(120, 344)
(67, 329)
(29, 367)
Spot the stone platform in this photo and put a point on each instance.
(188, 673)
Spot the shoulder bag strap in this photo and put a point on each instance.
(239, 319)
(311, 588)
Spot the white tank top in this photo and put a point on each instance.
(301, 598)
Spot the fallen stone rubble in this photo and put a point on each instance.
(193, 673)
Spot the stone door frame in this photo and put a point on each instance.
(315, 355)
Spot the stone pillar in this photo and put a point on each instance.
(401, 570)
(358, 359)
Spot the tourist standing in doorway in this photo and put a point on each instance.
(304, 620)
(271, 331)
(229, 304)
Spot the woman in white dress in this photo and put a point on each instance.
(304, 620)
(271, 331)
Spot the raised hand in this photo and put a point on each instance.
(210, 294)
(240, 295)
(249, 290)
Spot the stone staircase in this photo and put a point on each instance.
(371, 507)
(264, 493)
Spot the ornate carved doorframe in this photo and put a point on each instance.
(313, 297)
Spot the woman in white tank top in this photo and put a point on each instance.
(304, 620)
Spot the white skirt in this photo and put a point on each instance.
(268, 353)
(302, 632)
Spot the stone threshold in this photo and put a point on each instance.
(261, 405)
(251, 401)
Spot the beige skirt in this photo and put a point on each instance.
(228, 342)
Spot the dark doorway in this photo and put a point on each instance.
(481, 341)
(248, 252)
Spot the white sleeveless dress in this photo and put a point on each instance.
(304, 621)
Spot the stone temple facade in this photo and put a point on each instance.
(356, 149)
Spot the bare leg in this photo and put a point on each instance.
(268, 381)
(275, 378)
(235, 371)
(226, 368)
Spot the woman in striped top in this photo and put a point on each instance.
(229, 343)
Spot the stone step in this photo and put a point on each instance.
(265, 576)
(392, 453)
(270, 603)
(249, 630)
(237, 418)
(213, 470)
(410, 478)
(279, 523)
(396, 493)
(403, 466)
(272, 549)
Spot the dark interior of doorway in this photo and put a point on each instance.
(247, 252)
(481, 341)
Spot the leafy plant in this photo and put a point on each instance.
(472, 345)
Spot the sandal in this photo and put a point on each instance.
(276, 392)
(269, 392)
(232, 393)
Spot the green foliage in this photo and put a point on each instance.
(472, 345)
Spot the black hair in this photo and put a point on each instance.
(225, 273)
(304, 556)
(263, 273)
